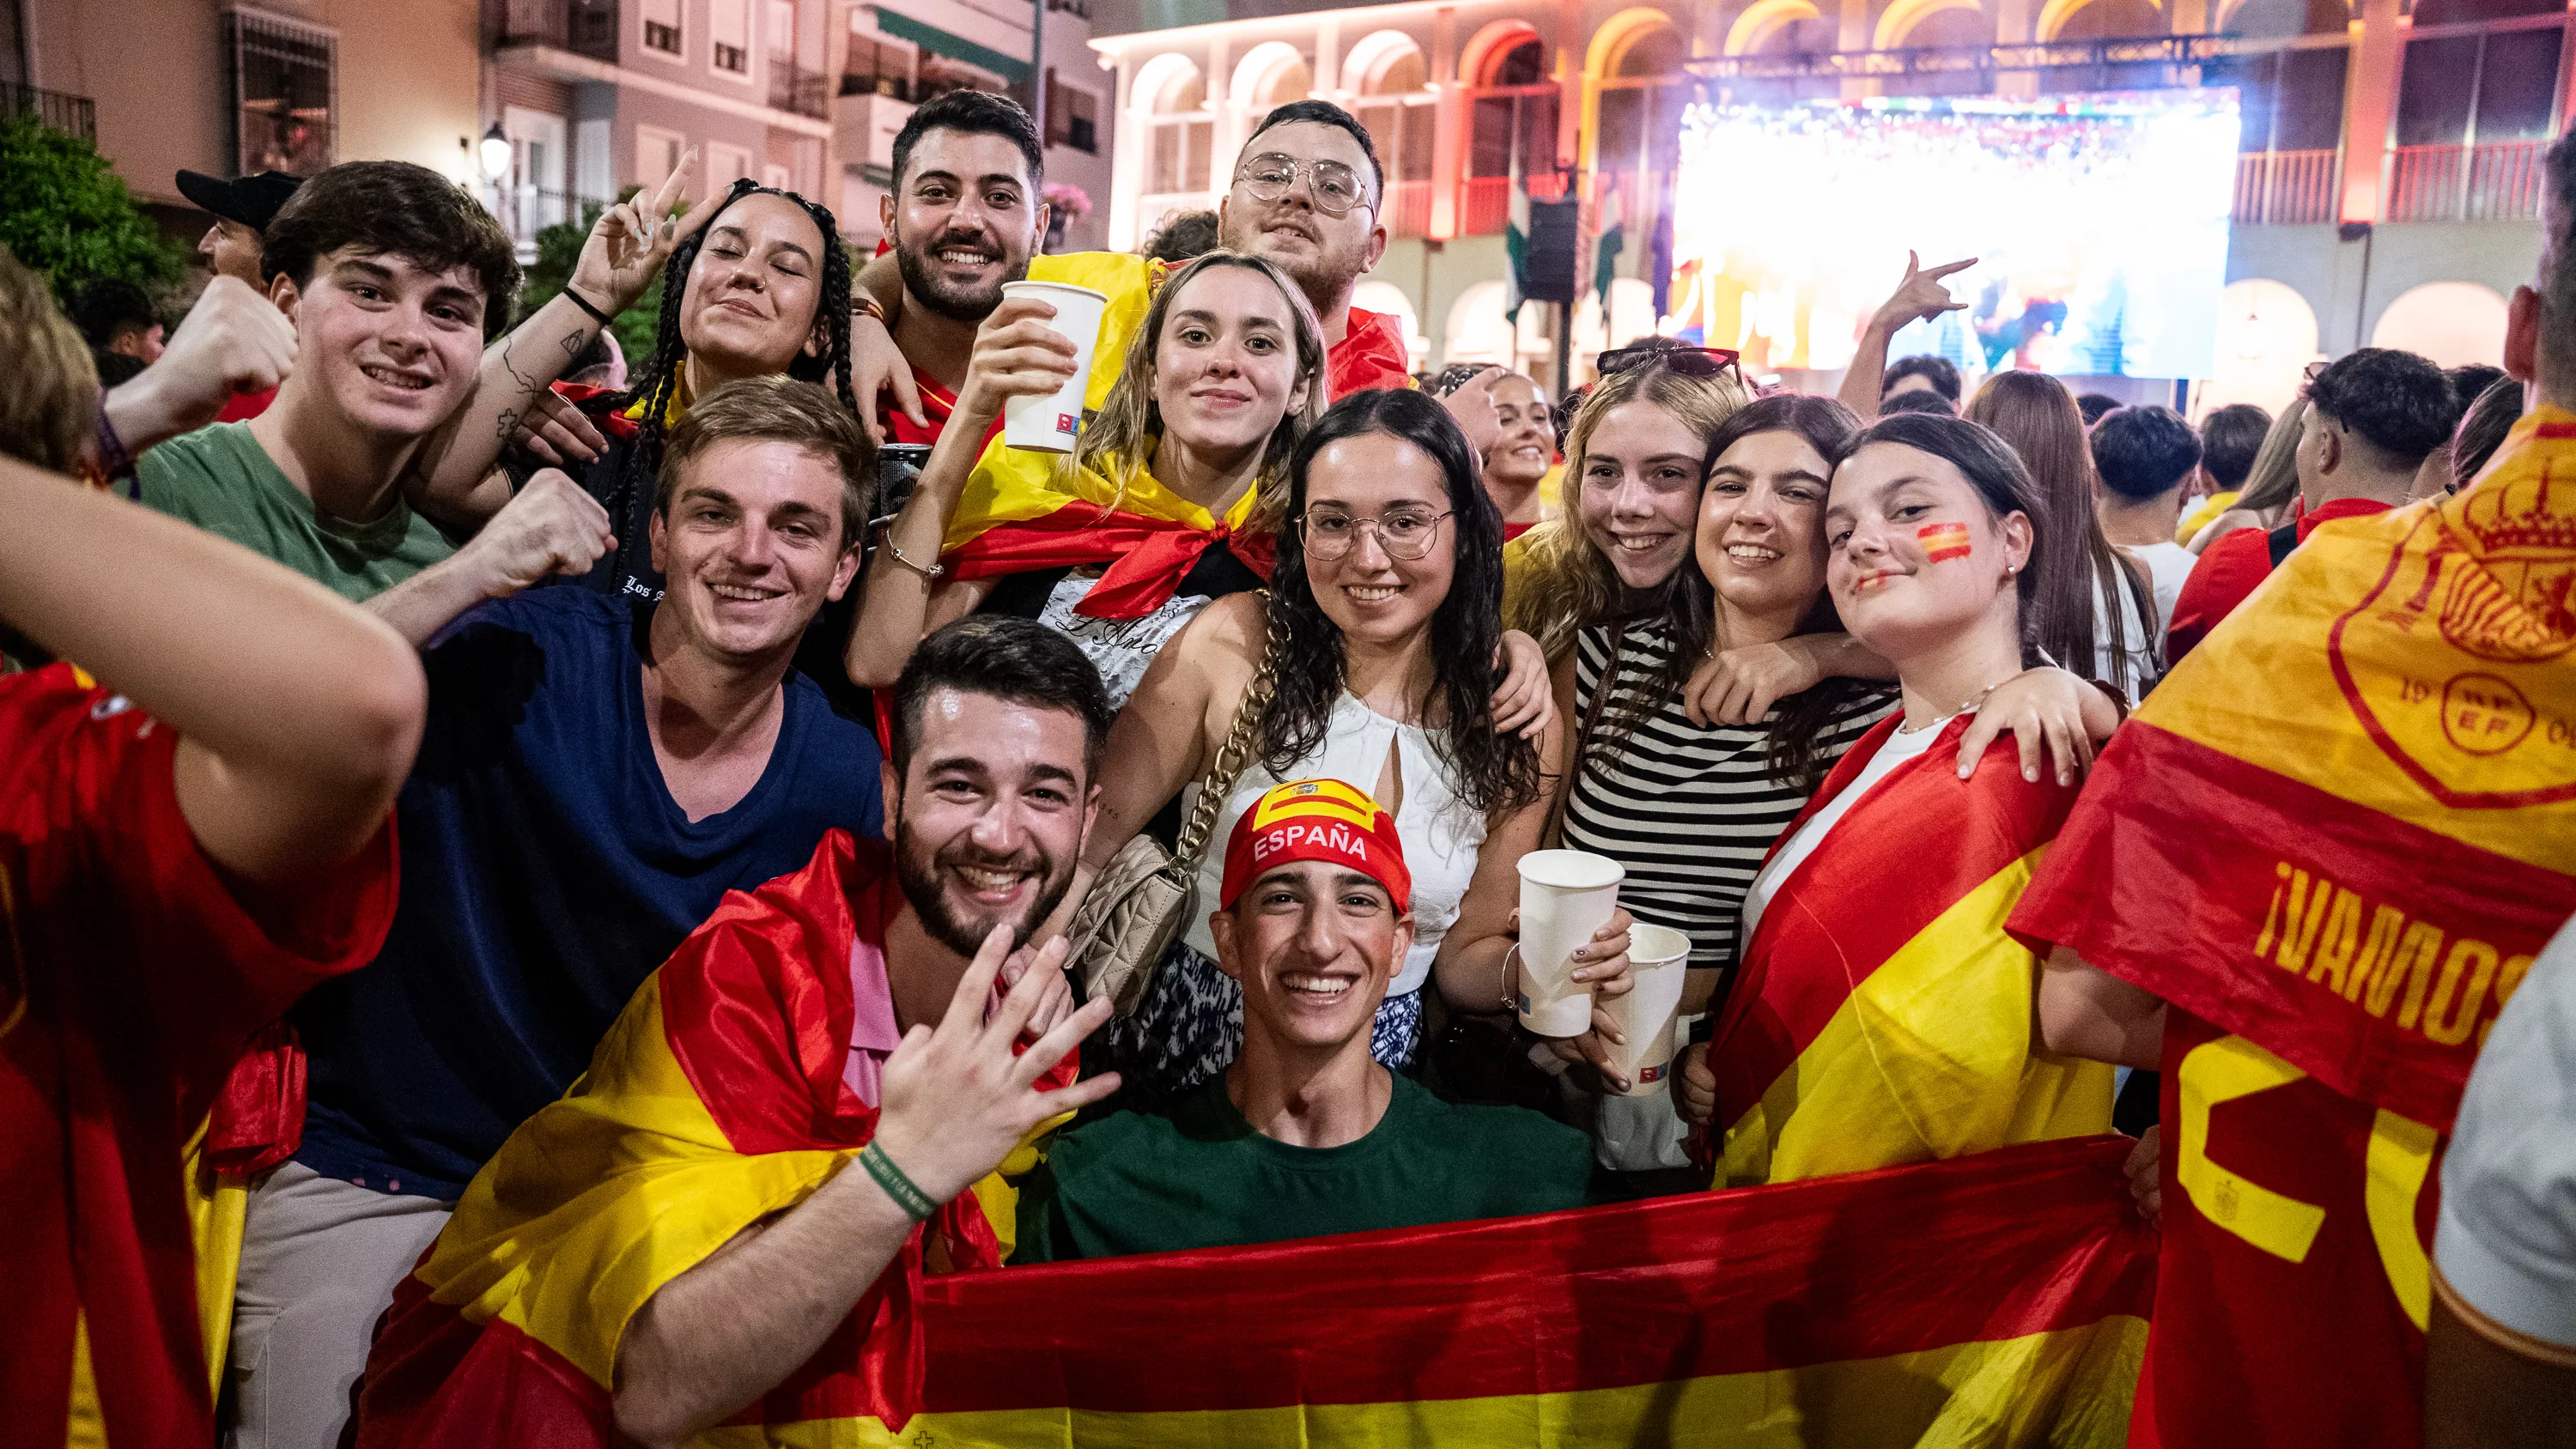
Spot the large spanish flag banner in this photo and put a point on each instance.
(1882, 1012)
(1994, 1301)
(2333, 840)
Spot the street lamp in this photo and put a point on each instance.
(496, 154)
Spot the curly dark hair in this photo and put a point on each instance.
(1466, 628)
(2393, 400)
(658, 380)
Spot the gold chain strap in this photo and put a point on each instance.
(1236, 752)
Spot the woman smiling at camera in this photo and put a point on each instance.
(1882, 1014)
(1381, 627)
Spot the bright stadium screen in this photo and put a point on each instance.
(2099, 222)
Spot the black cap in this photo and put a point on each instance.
(253, 200)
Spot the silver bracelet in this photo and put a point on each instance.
(931, 573)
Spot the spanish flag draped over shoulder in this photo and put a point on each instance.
(1023, 510)
(1882, 1014)
(2333, 839)
(722, 1095)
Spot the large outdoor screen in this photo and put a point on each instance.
(2099, 222)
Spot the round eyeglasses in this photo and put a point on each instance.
(1406, 533)
(1334, 187)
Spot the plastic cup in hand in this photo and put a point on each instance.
(1566, 895)
(1658, 962)
(1049, 423)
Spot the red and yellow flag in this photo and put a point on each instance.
(1993, 1301)
(1882, 1014)
(2334, 839)
(722, 1095)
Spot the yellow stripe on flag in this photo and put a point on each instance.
(1930, 1057)
(2067, 1389)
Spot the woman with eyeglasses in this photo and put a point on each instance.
(1381, 623)
(1707, 684)
(1882, 1014)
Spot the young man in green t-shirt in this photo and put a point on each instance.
(394, 277)
(1305, 1134)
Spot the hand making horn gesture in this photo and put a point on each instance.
(631, 240)
(1920, 295)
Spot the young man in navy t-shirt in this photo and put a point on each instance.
(596, 773)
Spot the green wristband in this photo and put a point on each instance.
(906, 1193)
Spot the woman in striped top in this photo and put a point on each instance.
(1732, 687)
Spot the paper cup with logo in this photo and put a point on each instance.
(1049, 423)
(1566, 895)
(1658, 962)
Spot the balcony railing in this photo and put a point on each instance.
(1408, 209)
(2282, 188)
(584, 27)
(2501, 181)
(794, 88)
(71, 115)
(1488, 202)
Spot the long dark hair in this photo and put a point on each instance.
(2036, 417)
(1492, 770)
(1995, 471)
(659, 378)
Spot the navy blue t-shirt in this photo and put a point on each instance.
(546, 871)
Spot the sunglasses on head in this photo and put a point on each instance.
(1687, 361)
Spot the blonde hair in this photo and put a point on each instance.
(1120, 441)
(1568, 581)
(46, 410)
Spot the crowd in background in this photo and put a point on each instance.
(450, 706)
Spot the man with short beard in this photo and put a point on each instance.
(1310, 194)
(845, 1060)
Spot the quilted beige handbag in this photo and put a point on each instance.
(1141, 902)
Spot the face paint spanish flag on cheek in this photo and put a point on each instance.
(1943, 542)
(1324, 820)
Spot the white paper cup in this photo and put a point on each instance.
(1049, 424)
(1659, 963)
(1566, 895)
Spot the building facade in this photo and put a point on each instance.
(294, 85)
(2387, 182)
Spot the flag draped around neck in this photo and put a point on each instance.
(1882, 1014)
(724, 1093)
(2334, 839)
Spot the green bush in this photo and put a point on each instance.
(558, 248)
(67, 214)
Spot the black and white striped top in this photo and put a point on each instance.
(1689, 811)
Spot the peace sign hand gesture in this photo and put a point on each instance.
(1920, 295)
(631, 240)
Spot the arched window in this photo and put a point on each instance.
(1395, 104)
(1512, 118)
(1184, 134)
(2109, 20)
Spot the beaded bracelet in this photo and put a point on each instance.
(906, 1193)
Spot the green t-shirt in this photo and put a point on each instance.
(220, 479)
(1199, 1176)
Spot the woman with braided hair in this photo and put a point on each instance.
(763, 288)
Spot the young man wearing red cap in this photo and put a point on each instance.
(1305, 1135)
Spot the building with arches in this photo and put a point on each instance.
(2388, 146)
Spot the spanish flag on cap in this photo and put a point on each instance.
(1325, 820)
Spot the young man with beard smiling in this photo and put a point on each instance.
(1305, 1134)
(840, 1026)
(596, 774)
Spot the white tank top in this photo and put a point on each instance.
(1441, 833)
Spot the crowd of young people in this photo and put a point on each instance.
(452, 866)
